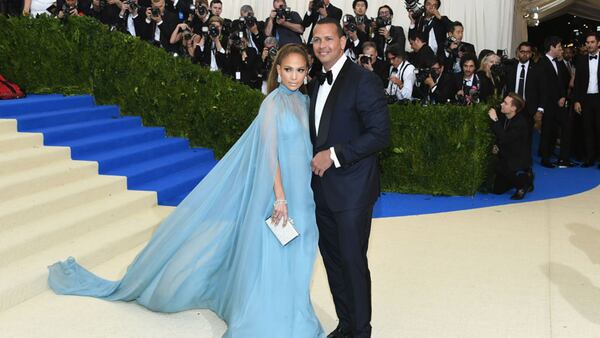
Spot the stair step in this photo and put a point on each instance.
(24, 159)
(114, 140)
(45, 177)
(44, 103)
(59, 134)
(28, 208)
(8, 126)
(42, 233)
(27, 277)
(16, 141)
(35, 121)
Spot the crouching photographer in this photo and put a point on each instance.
(513, 169)
(370, 61)
(434, 85)
(243, 63)
(401, 76)
(210, 49)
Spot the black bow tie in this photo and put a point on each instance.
(325, 76)
(394, 70)
(595, 57)
(555, 60)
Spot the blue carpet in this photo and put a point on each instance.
(120, 144)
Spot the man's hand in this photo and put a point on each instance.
(577, 107)
(281, 22)
(429, 82)
(436, 13)
(460, 93)
(492, 114)
(397, 81)
(384, 32)
(410, 17)
(265, 53)
(562, 101)
(323, 12)
(310, 5)
(321, 162)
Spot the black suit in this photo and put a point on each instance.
(311, 20)
(169, 23)
(444, 89)
(397, 36)
(357, 129)
(440, 28)
(244, 71)
(552, 86)
(590, 104)
(424, 58)
(530, 93)
(450, 59)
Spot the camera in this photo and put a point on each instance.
(469, 98)
(132, 5)
(349, 22)
(422, 74)
(66, 10)
(102, 4)
(237, 40)
(251, 21)
(364, 59)
(382, 22)
(283, 13)
(316, 5)
(202, 10)
(187, 34)
(155, 12)
(273, 52)
(415, 7)
(213, 31)
(244, 22)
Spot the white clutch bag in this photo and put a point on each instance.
(284, 234)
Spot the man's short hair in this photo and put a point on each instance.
(388, 7)
(525, 44)
(438, 60)
(517, 101)
(551, 41)
(271, 40)
(418, 35)
(439, 3)
(591, 33)
(396, 50)
(246, 8)
(369, 44)
(212, 2)
(456, 24)
(331, 21)
(357, 1)
(468, 57)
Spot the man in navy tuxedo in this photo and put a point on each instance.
(349, 124)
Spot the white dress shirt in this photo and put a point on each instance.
(553, 63)
(213, 59)
(322, 95)
(406, 73)
(593, 84)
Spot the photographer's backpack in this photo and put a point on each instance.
(9, 90)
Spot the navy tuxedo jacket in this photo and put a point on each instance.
(355, 121)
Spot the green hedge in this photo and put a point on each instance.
(435, 150)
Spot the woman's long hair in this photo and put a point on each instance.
(292, 48)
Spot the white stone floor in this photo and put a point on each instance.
(529, 270)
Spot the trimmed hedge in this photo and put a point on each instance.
(435, 149)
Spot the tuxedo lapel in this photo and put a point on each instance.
(330, 104)
(311, 112)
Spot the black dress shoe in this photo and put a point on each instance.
(519, 195)
(339, 332)
(548, 164)
(587, 164)
(565, 164)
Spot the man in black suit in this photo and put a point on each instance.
(432, 24)
(511, 128)
(438, 86)
(252, 28)
(520, 80)
(587, 98)
(455, 51)
(360, 13)
(313, 15)
(369, 60)
(384, 33)
(552, 83)
(467, 84)
(158, 26)
(347, 134)
(422, 55)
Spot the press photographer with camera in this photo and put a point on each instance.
(107, 12)
(186, 38)
(284, 24)
(73, 8)
(491, 75)
(437, 86)
(384, 33)
(158, 26)
(467, 82)
(428, 21)
(243, 63)
(354, 37)
(198, 18)
(421, 56)
(455, 48)
(362, 20)
(130, 18)
(267, 57)
(369, 60)
(252, 28)
(401, 73)
(513, 168)
(317, 10)
(210, 51)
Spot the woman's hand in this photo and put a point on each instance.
(280, 212)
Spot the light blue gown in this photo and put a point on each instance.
(215, 250)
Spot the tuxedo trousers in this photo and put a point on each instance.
(554, 121)
(591, 125)
(343, 243)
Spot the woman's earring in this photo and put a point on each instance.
(279, 78)
(305, 80)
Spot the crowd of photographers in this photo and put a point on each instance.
(541, 86)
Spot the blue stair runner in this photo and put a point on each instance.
(120, 144)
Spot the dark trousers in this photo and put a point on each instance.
(555, 120)
(591, 126)
(506, 180)
(343, 242)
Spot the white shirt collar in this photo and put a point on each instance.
(526, 64)
(337, 67)
(470, 79)
(550, 57)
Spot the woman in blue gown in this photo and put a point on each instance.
(215, 250)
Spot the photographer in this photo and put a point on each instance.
(467, 82)
(267, 57)
(159, 25)
(490, 76)
(216, 9)
(401, 74)
(252, 28)
(198, 19)
(74, 8)
(421, 56)
(431, 24)
(384, 33)
(455, 48)
(184, 33)
(439, 86)
(317, 10)
(129, 17)
(107, 12)
(284, 24)
(369, 60)
(243, 63)
(513, 169)
(209, 51)
(362, 20)
(354, 37)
